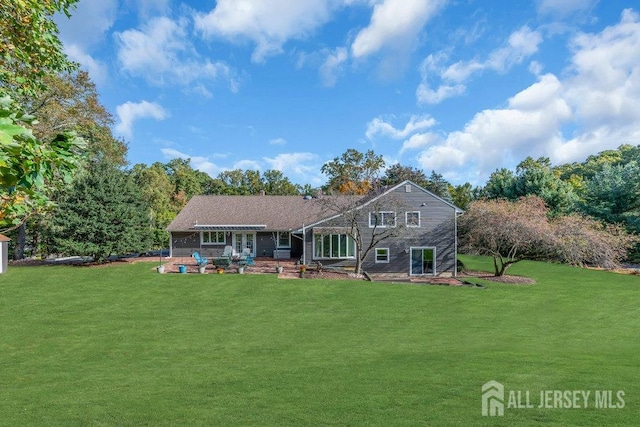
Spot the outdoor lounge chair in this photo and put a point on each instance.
(202, 261)
(228, 252)
(246, 257)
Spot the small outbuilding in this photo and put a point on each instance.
(4, 253)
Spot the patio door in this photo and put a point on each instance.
(244, 240)
(423, 261)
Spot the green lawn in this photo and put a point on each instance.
(123, 345)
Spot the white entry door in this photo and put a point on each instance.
(244, 240)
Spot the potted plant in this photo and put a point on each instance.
(201, 269)
(241, 269)
(220, 270)
(160, 266)
(303, 270)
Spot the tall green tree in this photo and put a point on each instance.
(275, 183)
(353, 172)
(31, 169)
(157, 192)
(613, 195)
(70, 102)
(398, 173)
(30, 48)
(103, 214)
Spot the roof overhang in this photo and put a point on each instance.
(229, 227)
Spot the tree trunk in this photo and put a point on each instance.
(21, 240)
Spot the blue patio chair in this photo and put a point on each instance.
(246, 257)
(202, 261)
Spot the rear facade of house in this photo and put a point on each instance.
(302, 228)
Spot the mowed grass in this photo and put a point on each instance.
(123, 345)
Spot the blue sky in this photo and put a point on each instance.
(462, 87)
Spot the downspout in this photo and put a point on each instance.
(455, 242)
(170, 246)
(304, 245)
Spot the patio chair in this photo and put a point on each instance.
(246, 257)
(228, 252)
(202, 261)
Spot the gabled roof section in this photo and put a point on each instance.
(407, 181)
(371, 198)
(269, 213)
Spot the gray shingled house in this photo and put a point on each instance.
(311, 229)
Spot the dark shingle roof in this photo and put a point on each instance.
(274, 212)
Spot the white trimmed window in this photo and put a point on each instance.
(412, 219)
(382, 255)
(284, 239)
(333, 246)
(213, 238)
(382, 219)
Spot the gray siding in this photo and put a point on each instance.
(437, 229)
(184, 244)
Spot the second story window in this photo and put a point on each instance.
(413, 219)
(382, 219)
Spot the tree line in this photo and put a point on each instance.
(66, 186)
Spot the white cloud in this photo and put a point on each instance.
(604, 89)
(299, 167)
(87, 28)
(278, 141)
(89, 23)
(333, 65)
(268, 24)
(129, 112)
(419, 140)
(521, 44)
(200, 163)
(394, 24)
(597, 98)
(561, 8)
(96, 69)
(161, 53)
(426, 95)
(380, 127)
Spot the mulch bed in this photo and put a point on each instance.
(516, 280)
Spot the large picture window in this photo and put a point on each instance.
(333, 246)
(213, 238)
(382, 219)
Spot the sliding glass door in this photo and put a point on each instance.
(423, 261)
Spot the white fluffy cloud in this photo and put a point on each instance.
(333, 65)
(562, 8)
(92, 21)
(597, 98)
(161, 53)
(379, 126)
(268, 24)
(394, 24)
(200, 163)
(129, 112)
(520, 45)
